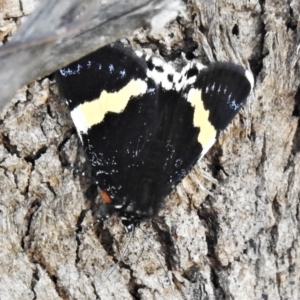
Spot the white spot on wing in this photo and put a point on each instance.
(250, 77)
(122, 73)
(111, 68)
(67, 71)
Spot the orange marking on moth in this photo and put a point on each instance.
(105, 197)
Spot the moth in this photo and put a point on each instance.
(144, 125)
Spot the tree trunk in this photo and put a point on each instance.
(230, 230)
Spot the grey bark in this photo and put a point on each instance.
(230, 230)
(53, 35)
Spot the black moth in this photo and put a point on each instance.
(144, 125)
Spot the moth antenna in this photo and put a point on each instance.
(122, 255)
(160, 262)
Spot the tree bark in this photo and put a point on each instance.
(52, 36)
(230, 230)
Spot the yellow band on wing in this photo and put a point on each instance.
(207, 134)
(91, 113)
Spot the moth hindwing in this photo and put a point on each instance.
(144, 125)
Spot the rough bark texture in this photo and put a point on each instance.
(48, 38)
(229, 231)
